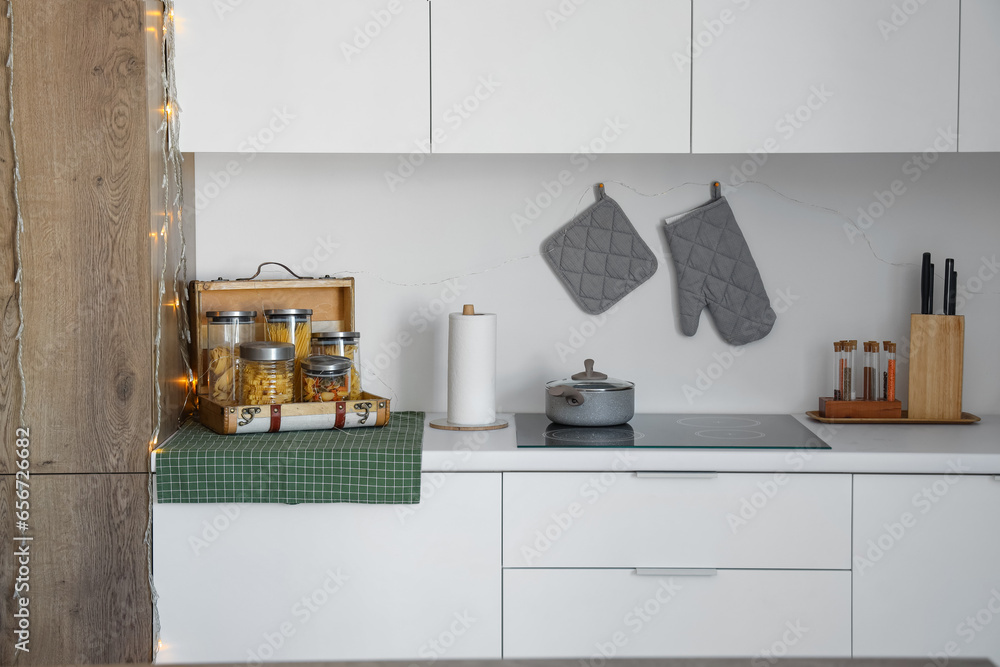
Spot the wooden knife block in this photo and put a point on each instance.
(936, 356)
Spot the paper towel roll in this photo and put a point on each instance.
(472, 368)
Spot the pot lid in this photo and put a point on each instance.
(591, 380)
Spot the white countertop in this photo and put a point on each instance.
(856, 448)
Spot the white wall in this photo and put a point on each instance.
(448, 229)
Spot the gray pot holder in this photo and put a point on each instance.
(599, 256)
(715, 269)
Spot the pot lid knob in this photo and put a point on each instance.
(589, 373)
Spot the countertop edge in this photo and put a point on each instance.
(856, 449)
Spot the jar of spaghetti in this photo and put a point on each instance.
(291, 326)
(267, 373)
(326, 378)
(227, 330)
(342, 344)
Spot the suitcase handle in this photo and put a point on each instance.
(282, 266)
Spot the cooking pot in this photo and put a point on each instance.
(589, 399)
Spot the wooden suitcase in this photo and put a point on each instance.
(370, 410)
(332, 303)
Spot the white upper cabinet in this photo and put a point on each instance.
(807, 76)
(979, 101)
(520, 76)
(303, 76)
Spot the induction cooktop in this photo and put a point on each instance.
(687, 431)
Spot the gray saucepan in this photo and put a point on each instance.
(589, 399)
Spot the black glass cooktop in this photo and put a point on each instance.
(694, 431)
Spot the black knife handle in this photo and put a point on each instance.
(925, 284)
(930, 290)
(948, 291)
(954, 292)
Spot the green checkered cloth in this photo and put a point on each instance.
(369, 465)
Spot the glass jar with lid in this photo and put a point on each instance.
(267, 373)
(291, 325)
(326, 378)
(227, 330)
(342, 344)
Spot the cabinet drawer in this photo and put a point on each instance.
(605, 613)
(732, 520)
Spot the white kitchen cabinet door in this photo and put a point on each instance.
(927, 566)
(734, 520)
(731, 613)
(979, 102)
(520, 76)
(303, 76)
(825, 76)
(241, 583)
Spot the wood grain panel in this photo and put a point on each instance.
(10, 391)
(89, 590)
(6, 570)
(81, 114)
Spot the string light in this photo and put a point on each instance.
(173, 196)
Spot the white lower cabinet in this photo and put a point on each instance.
(674, 564)
(249, 583)
(628, 519)
(600, 613)
(927, 566)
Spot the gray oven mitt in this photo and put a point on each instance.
(715, 269)
(599, 256)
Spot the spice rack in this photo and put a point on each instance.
(876, 384)
(935, 379)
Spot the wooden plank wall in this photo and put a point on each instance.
(82, 104)
(89, 601)
(81, 115)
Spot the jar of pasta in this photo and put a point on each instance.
(267, 373)
(326, 378)
(342, 344)
(291, 326)
(227, 330)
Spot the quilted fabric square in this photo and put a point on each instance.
(716, 270)
(599, 256)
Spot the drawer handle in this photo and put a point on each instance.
(675, 572)
(677, 475)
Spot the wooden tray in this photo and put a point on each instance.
(967, 418)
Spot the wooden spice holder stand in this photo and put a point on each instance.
(935, 381)
(332, 303)
(830, 408)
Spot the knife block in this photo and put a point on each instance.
(936, 357)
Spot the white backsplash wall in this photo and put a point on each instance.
(450, 234)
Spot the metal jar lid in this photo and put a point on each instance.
(320, 336)
(264, 350)
(283, 314)
(326, 363)
(231, 316)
